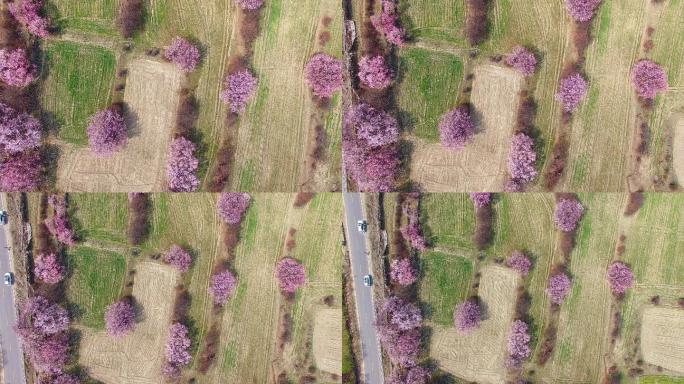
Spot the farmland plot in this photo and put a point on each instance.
(661, 341)
(327, 334)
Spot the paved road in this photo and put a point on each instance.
(365, 312)
(12, 357)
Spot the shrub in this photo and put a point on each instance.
(178, 258)
(20, 173)
(106, 132)
(182, 53)
(18, 131)
(387, 23)
(15, 68)
(48, 268)
(521, 159)
(648, 78)
(480, 199)
(231, 206)
(558, 287)
(249, 5)
(476, 22)
(581, 10)
(374, 126)
(403, 272)
(571, 91)
(290, 275)
(620, 277)
(374, 72)
(518, 344)
(483, 227)
(456, 128)
(26, 12)
(119, 319)
(129, 18)
(138, 206)
(522, 60)
(239, 87)
(181, 166)
(518, 262)
(323, 74)
(58, 225)
(221, 287)
(411, 231)
(467, 316)
(176, 350)
(636, 200)
(567, 214)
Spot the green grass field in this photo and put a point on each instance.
(661, 380)
(448, 220)
(99, 217)
(423, 20)
(78, 82)
(428, 88)
(91, 16)
(445, 283)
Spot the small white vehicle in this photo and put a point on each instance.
(368, 280)
(8, 278)
(4, 218)
(362, 226)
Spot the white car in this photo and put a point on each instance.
(362, 226)
(8, 278)
(368, 280)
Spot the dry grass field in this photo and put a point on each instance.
(661, 341)
(137, 358)
(678, 147)
(481, 165)
(479, 356)
(151, 96)
(327, 348)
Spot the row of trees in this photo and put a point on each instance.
(388, 24)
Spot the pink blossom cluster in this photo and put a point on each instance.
(648, 78)
(411, 231)
(20, 173)
(231, 206)
(27, 12)
(58, 224)
(119, 319)
(106, 132)
(387, 23)
(397, 325)
(239, 87)
(184, 54)
(581, 10)
(567, 214)
(19, 132)
(518, 344)
(467, 316)
(60, 378)
(178, 258)
(176, 351)
(518, 262)
(48, 268)
(290, 275)
(374, 72)
(620, 277)
(521, 159)
(221, 286)
(323, 75)
(249, 5)
(522, 60)
(480, 199)
(558, 287)
(15, 68)
(403, 272)
(374, 126)
(414, 375)
(571, 91)
(456, 128)
(181, 166)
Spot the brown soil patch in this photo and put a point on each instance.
(661, 337)
(481, 165)
(138, 357)
(327, 333)
(678, 149)
(479, 356)
(151, 97)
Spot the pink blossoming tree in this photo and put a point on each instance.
(20, 173)
(19, 132)
(290, 275)
(480, 199)
(522, 60)
(176, 351)
(27, 12)
(239, 87)
(521, 159)
(15, 68)
(323, 75)
(411, 231)
(415, 375)
(181, 166)
(558, 287)
(372, 169)
(567, 214)
(106, 132)
(222, 286)
(178, 258)
(518, 262)
(467, 316)
(518, 344)
(249, 5)
(387, 23)
(374, 72)
(620, 277)
(48, 268)
(231, 206)
(571, 91)
(456, 128)
(58, 224)
(648, 78)
(374, 126)
(119, 319)
(184, 54)
(403, 272)
(38, 316)
(581, 10)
